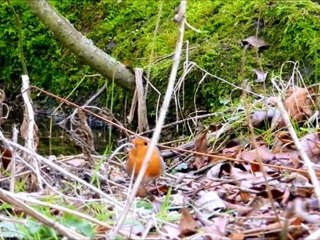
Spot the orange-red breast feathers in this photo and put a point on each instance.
(135, 159)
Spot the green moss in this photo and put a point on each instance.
(290, 29)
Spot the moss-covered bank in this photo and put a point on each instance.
(125, 29)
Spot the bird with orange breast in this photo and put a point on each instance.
(135, 160)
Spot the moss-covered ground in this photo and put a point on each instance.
(126, 30)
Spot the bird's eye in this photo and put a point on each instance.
(145, 143)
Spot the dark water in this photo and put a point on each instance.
(59, 142)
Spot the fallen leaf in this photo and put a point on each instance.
(298, 180)
(298, 103)
(232, 152)
(290, 157)
(261, 152)
(201, 145)
(187, 225)
(76, 162)
(215, 171)
(255, 42)
(310, 143)
(260, 116)
(5, 156)
(209, 201)
(245, 196)
(241, 210)
(299, 206)
(261, 76)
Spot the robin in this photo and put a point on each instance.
(136, 156)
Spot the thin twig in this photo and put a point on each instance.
(30, 136)
(13, 160)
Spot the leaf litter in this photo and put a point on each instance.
(215, 189)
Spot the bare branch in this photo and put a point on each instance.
(80, 45)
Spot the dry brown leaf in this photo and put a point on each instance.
(241, 210)
(276, 194)
(245, 196)
(187, 225)
(298, 103)
(33, 183)
(261, 152)
(232, 152)
(290, 157)
(101, 229)
(310, 143)
(144, 193)
(201, 145)
(5, 156)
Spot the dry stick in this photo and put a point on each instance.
(229, 83)
(79, 83)
(159, 124)
(83, 109)
(181, 121)
(13, 160)
(60, 169)
(67, 232)
(30, 138)
(88, 101)
(133, 106)
(302, 153)
(142, 107)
